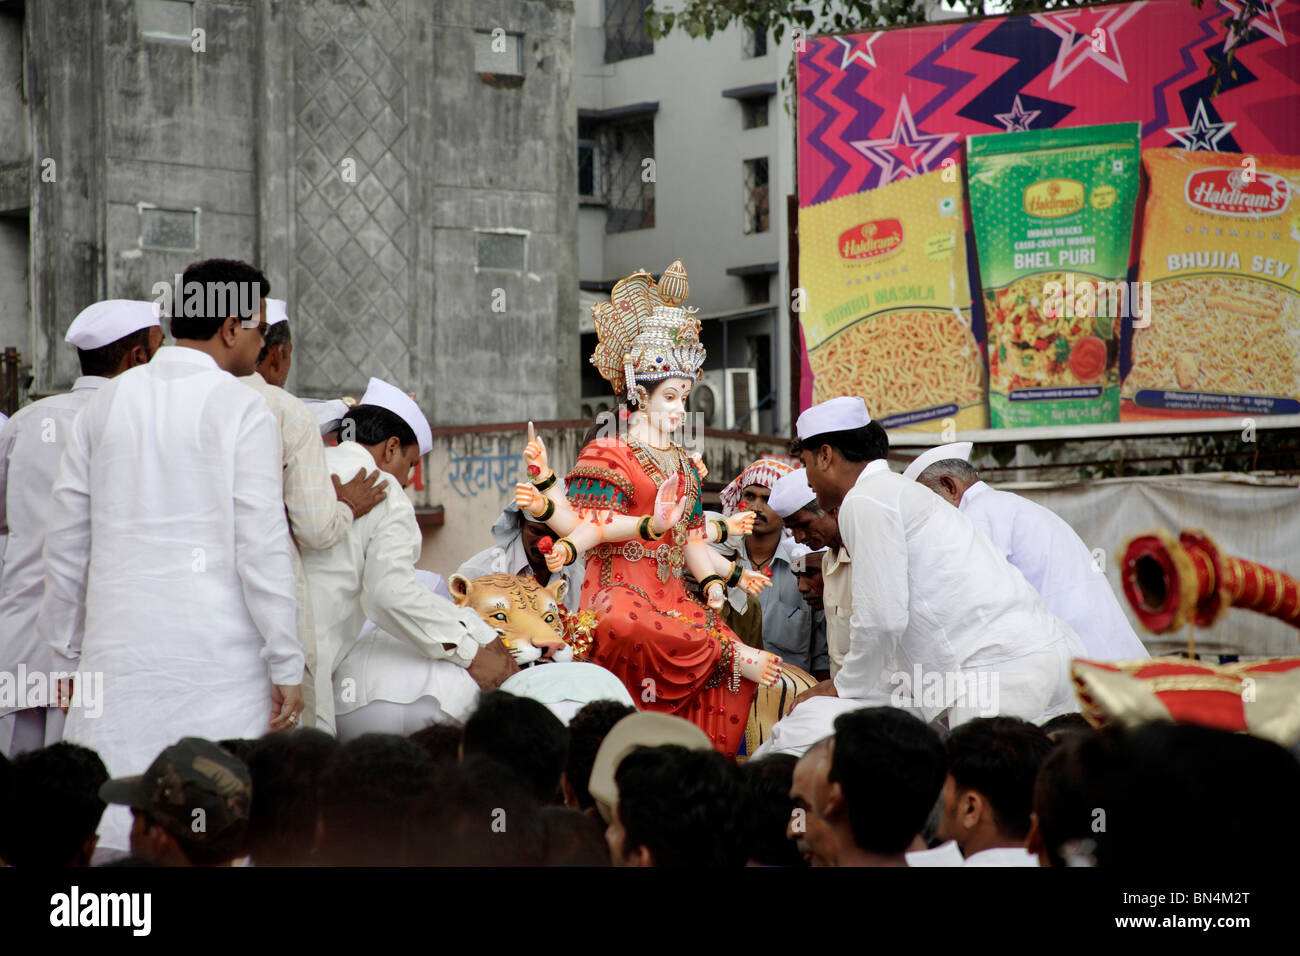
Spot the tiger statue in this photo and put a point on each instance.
(528, 617)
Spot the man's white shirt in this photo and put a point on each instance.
(1060, 567)
(167, 564)
(31, 445)
(370, 574)
(931, 594)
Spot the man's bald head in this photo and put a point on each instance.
(949, 479)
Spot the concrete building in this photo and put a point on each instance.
(686, 150)
(403, 171)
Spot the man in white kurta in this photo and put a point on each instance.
(370, 572)
(939, 616)
(168, 539)
(1039, 542)
(110, 337)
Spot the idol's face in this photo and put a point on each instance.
(667, 405)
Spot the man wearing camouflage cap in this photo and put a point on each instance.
(190, 807)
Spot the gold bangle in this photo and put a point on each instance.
(573, 550)
(734, 578)
(643, 529)
(723, 531)
(543, 484)
(547, 512)
(709, 579)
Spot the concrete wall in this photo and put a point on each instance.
(351, 149)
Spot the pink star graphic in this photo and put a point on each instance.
(908, 152)
(1268, 23)
(1078, 45)
(864, 53)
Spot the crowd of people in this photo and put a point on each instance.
(202, 570)
(515, 787)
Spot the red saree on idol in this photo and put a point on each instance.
(669, 649)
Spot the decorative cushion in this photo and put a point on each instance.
(1256, 697)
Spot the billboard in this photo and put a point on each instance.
(880, 109)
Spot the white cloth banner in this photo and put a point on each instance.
(1248, 518)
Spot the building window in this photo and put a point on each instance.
(629, 150)
(753, 113)
(626, 35)
(757, 288)
(171, 20)
(755, 42)
(501, 250)
(497, 53)
(756, 215)
(588, 162)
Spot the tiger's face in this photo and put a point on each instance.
(526, 615)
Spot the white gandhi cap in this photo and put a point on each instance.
(790, 493)
(836, 415)
(957, 449)
(103, 322)
(799, 557)
(277, 311)
(380, 393)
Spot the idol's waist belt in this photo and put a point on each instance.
(669, 558)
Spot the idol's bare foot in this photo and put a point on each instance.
(761, 667)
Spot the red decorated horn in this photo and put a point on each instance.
(1170, 582)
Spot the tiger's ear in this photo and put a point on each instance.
(459, 586)
(557, 589)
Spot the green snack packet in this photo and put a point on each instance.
(1052, 212)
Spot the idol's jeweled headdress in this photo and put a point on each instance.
(645, 335)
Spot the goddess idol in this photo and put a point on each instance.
(633, 508)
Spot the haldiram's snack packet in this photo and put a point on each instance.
(1221, 250)
(889, 304)
(1053, 217)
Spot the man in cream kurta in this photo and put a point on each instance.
(320, 510)
(167, 538)
(370, 572)
(110, 337)
(1039, 542)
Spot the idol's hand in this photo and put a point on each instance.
(740, 523)
(557, 554)
(535, 452)
(752, 582)
(698, 462)
(669, 507)
(530, 501)
(714, 594)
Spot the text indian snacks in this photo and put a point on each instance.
(1053, 217)
(888, 308)
(1221, 249)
